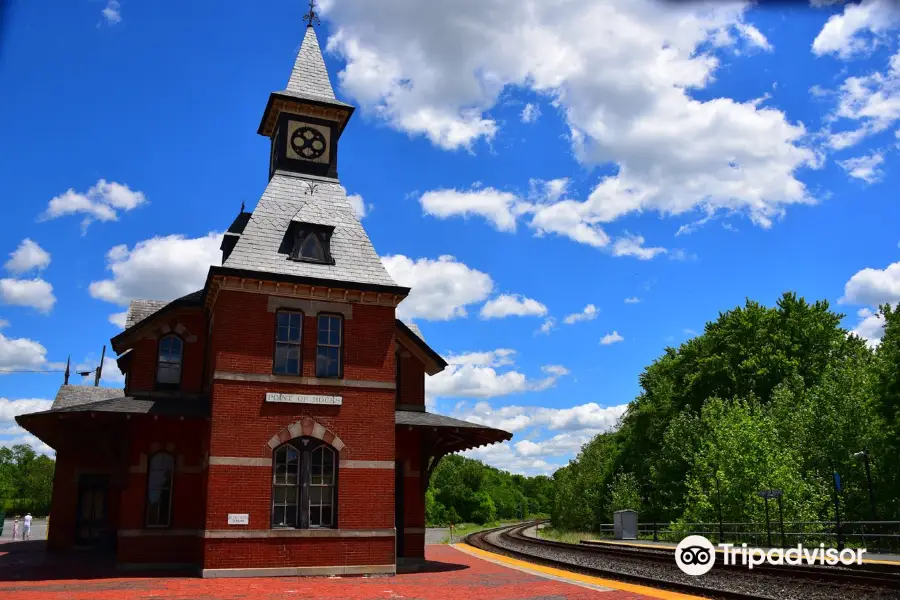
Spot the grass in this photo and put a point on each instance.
(569, 537)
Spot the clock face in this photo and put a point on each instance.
(307, 141)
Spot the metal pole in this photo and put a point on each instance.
(768, 528)
(719, 496)
(837, 510)
(871, 489)
(781, 521)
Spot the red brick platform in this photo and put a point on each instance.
(28, 574)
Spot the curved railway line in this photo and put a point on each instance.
(657, 568)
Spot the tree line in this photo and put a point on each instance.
(462, 490)
(26, 481)
(765, 398)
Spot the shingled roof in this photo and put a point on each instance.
(309, 77)
(75, 395)
(139, 309)
(287, 198)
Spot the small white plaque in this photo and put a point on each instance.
(304, 399)
(238, 519)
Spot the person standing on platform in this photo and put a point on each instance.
(15, 527)
(26, 527)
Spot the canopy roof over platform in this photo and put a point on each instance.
(85, 404)
(446, 435)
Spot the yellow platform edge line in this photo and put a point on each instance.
(873, 561)
(562, 574)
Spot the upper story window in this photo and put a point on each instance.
(160, 469)
(304, 484)
(329, 346)
(311, 243)
(168, 366)
(288, 342)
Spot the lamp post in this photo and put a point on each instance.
(864, 455)
(836, 483)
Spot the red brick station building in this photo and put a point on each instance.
(272, 423)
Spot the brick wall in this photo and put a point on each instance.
(409, 445)
(70, 464)
(412, 381)
(244, 338)
(242, 423)
(270, 553)
(142, 371)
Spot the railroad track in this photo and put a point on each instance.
(657, 569)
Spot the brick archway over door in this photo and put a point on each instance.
(308, 427)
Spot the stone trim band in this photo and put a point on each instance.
(301, 571)
(315, 381)
(241, 461)
(257, 533)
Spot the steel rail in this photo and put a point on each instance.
(479, 540)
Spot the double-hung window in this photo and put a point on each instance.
(160, 469)
(288, 342)
(304, 484)
(168, 365)
(329, 346)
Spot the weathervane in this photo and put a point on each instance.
(311, 15)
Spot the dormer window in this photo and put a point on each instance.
(310, 243)
(312, 248)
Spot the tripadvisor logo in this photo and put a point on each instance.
(695, 555)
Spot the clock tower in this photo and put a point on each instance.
(305, 120)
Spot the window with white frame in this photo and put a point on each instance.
(304, 484)
(288, 343)
(328, 346)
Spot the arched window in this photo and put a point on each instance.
(304, 485)
(312, 248)
(168, 366)
(160, 470)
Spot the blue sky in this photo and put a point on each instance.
(635, 168)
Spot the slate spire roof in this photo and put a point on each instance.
(287, 199)
(297, 198)
(309, 77)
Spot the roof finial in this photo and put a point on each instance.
(242, 206)
(311, 15)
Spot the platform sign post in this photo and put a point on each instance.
(765, 495)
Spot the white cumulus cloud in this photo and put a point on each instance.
(100, 203)
(512, 305)
(486, 375)
(28, 256)
(588, 313)
(18, 354)
(873, 286)
(611, 338)
(864, 167)
(623, 76)
(161, 268)
(857, 29)
(34, 293)
(441, 289)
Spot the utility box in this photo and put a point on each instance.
(625, 524)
